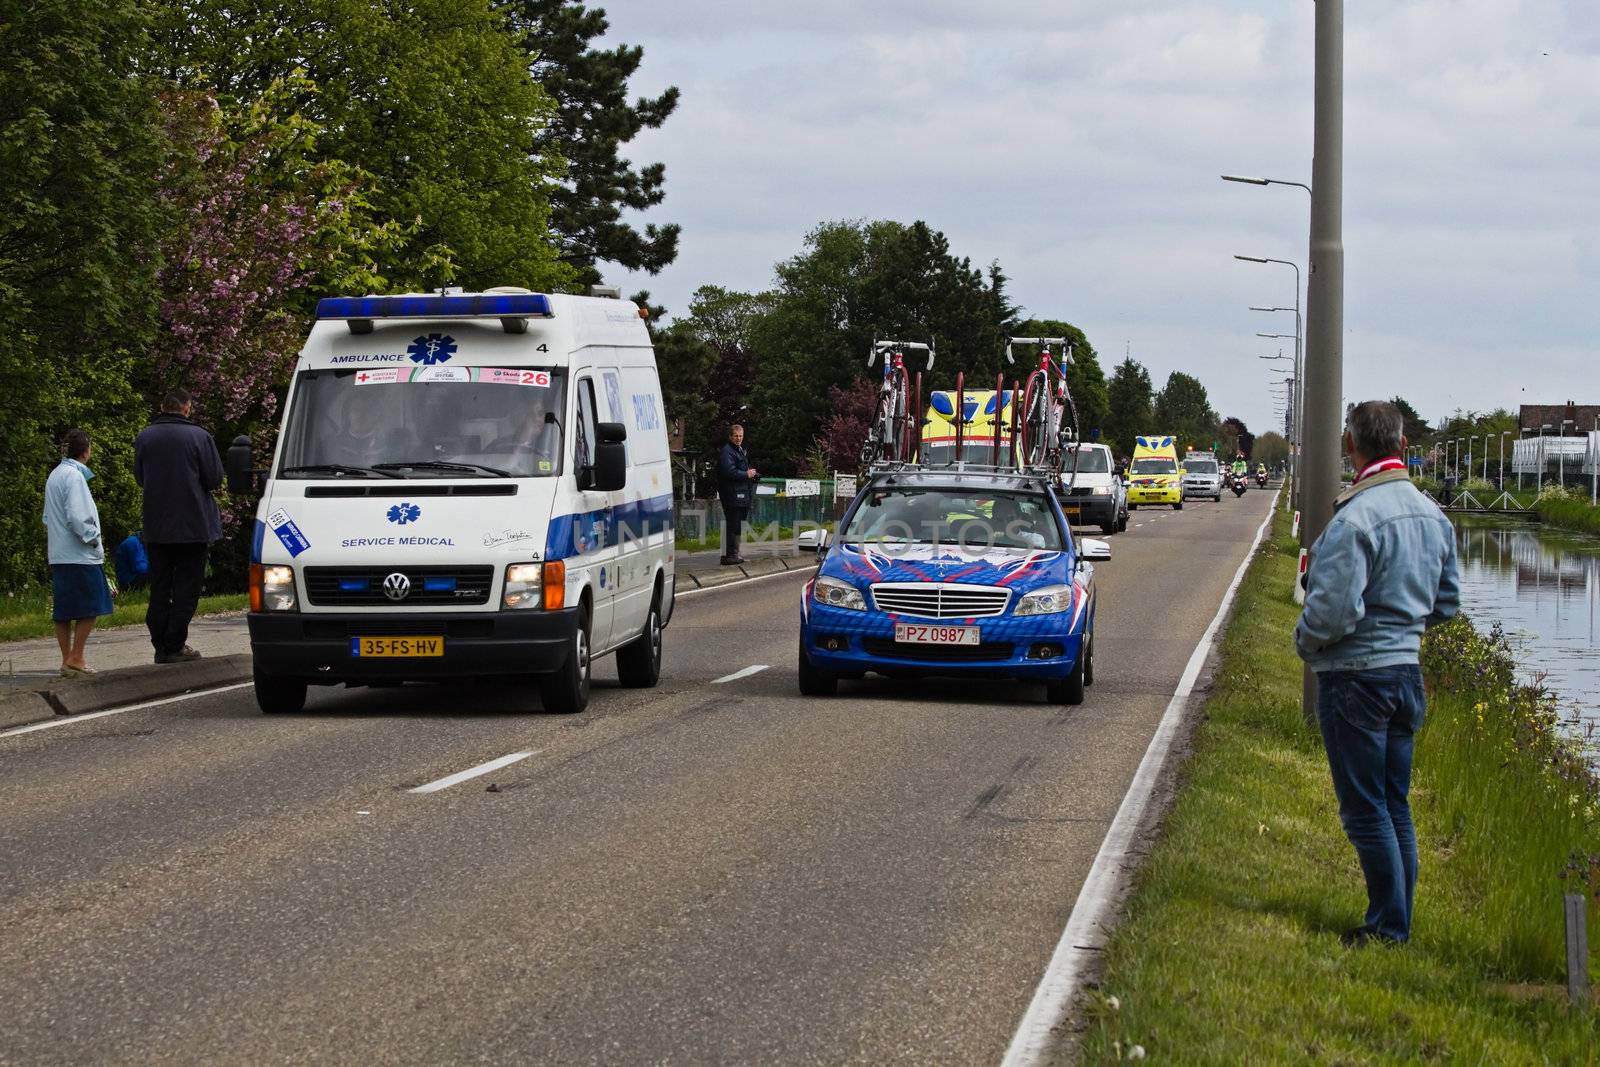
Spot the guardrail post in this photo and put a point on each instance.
(1577, 950)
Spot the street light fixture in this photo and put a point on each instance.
(1295, 494)
(1263, 181)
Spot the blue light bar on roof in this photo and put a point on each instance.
(493, 305)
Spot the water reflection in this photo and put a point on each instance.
(1543, 586)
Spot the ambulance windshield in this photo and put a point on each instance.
(430, 422)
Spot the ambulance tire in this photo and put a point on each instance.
(566, 692)
(1133, 507)
(1178, 506)
(1122, 524)
(276, 695)
(1088, 657)
(639, 661)
(815, 682)
(1069, 690)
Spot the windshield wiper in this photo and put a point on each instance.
(441, 465)
(336, 468)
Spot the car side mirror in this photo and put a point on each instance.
(610, 469)
(237, 467)
(1094, 550)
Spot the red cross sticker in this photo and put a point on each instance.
(362, 377)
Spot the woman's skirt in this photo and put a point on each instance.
(80, 591)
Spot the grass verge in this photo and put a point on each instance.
(1229, 952)
(27, 615)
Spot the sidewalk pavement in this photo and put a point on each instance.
(31, 689)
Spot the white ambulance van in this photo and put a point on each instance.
(465, 485)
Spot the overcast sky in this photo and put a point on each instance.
(1079, 142)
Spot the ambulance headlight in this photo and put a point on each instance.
(837, 594)
(1046, 600)
(1100, 490)
(272, 588)
(524, 586)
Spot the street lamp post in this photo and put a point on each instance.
(1486, 439)
(1501, 477)
(1539, 485)
(1594, 466)
(1297, 488)
(1561, 453)
(1293, 425)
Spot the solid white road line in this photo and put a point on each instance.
(68, 720)
(736, 675)
(1085, 936)
(472, 772)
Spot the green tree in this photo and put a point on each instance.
(432, 100)
(1271, 448)
(1129, 406)
(593, 121)
(1417, 428)
(1182, 409)
(80, 147)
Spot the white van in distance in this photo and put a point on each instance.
(465, 485)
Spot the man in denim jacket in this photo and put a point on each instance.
(1382, 571)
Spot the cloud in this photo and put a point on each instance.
(1080, 144)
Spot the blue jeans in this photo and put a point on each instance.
(1369, 723)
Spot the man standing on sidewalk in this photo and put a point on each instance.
(175, 461)
(736, 481)
(1382, 571)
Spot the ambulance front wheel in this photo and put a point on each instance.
(566, 692)
(639, 661)
(276, 695)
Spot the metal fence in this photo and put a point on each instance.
(785, 502)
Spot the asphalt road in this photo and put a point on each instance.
(705, 872)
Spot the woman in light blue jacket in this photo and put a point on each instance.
(77, 553)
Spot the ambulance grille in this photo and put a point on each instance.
(364, 586)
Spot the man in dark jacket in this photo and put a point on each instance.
(736, 481)
(175, 461)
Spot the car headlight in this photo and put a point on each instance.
(1046, 600)
(524, 586)
(1100, 490)
(837, 594)
(272, 588)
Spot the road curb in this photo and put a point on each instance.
(22, 708)
(131, 685)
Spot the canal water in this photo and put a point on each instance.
(1542, 585)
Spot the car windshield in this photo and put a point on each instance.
(426, 422)
(1090, 461)
(975, 449)
(1200, 466)
(971, 518)
(1154, 465)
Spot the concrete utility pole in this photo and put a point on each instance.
(1324, 362)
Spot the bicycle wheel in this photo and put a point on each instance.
(1034, 399)
(878, 430)
(900, 408)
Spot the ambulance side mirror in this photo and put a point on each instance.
(610, 470)
(237, 467)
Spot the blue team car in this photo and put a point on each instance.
(956, 573)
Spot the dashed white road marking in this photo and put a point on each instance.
(472, 772)
(736, 675)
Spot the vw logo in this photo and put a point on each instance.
(397, 586)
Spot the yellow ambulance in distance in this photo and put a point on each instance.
(980, 410)
(1154, 476)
